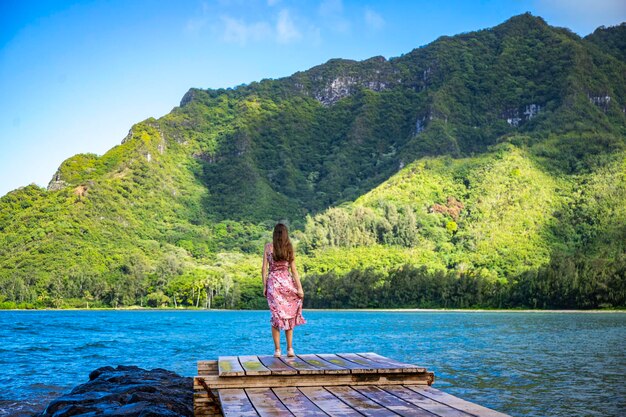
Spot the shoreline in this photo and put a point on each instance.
(352, 310)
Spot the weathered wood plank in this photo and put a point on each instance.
(406, 367)
(207, 367)
(202, 399)
(301, 366)
(426, 403)
(318, 385)
(354, 368)
(207, 412)
(235, 403)
(276, 366)
(203, 410)
(298, 403)
(201, 393)
(455, 402)
(360, 402)
(216, 382)
(253, 366)
(371, 365)
(207, 364)
(395, 404)
(230, 366)
(329, 403)
(266, 403)
(328, 367)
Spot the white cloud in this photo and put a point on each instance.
(315, 34)
(331, 12)
(331, 7)
(238, 31)
(373, 19)
(194, 25)
(241, 32)
(286, 30)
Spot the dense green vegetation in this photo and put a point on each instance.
(611, 40)
(561, 284)
(486, 169)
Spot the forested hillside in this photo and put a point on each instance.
(484, 169)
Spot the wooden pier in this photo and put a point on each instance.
(342, 384)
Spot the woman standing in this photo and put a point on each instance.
(282, 288)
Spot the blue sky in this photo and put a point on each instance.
(76, 75)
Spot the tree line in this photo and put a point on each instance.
(567, 282)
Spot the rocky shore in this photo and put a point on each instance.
(126, 391)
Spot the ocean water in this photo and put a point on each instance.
(523, 364)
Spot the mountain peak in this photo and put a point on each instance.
(611, 40)
(522, 24)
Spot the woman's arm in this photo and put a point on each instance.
(296, 277)
(264, 271)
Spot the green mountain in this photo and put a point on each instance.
(483, 169)
(611, 40)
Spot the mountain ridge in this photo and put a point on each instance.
(182, 206)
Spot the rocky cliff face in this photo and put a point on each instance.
(56, 183)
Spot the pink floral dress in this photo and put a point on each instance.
(282, 295)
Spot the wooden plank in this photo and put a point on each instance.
(206, 373)
(253, 366)
(354, 368)
(301, 366)
(235, 403)
(406, 367)
(455, 402)
(276, 366)
(206, 412)
(230, 366)
(426, 403)
(217, 382)
(202, 399)
(207, 367)
(390, 401)
(360, 402)
(204, 402)
(207, 364)
(328, 367)
(266, 403)
(329, 403)
(298, 403)
(371, 365)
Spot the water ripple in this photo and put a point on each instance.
(524, 364)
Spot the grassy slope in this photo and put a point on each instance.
(507, 219)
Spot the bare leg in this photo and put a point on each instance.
(289, 336)
(276, 337)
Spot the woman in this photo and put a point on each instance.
(282, 288)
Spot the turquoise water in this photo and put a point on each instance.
(523, 364)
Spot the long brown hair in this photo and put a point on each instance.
(283, 250)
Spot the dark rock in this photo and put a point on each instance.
(96, 373)
(126, 391)
(188, 97)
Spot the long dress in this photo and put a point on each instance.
(282, 295)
